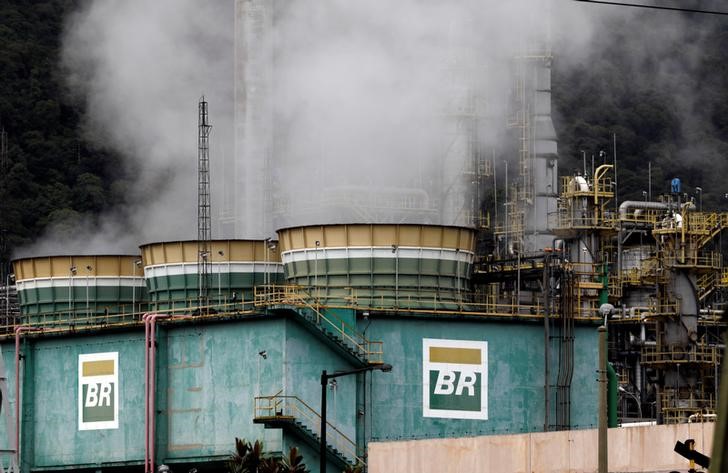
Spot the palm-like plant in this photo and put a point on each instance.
(358, 468)
(248, 458)
(293, 463)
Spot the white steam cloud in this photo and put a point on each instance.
(369, 105)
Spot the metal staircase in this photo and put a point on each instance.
(293, 414)
(341, 336)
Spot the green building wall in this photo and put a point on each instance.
(206, 384)
(515, 378)
(208, 377)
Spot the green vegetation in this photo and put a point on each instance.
(664, 96)
(249, 458)
(55, 172)
(666, 101)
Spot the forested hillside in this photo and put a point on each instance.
(662, 88)
(54, 173)
(666, 101)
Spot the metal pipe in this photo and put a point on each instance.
(322, 447)
(146, 392)
(612, 389)
(625, 206)
(18, 331)
(152, 387)
(151, 371)
(547, 340)
(602, 453)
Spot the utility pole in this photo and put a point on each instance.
(602, 422)
(204, 224)
(4, 256)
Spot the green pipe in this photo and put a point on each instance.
(604, 279)
(612, 386)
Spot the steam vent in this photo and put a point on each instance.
(444, 313)
(234, 268)
(386, 266)
(76, 288)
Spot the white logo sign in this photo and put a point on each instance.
(98, 391)
(454, 379)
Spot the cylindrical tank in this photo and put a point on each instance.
(406, 266)
(235, 267)
(52, 287)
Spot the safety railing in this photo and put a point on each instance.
(674, 258)
(81, 318)
(423, 302)
(699, 354)
(679, 406)
(291, 408)
(300, 297)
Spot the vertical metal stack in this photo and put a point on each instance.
(204, 227)
(253, 117)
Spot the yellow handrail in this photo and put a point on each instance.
(278, 406)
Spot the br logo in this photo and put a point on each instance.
(455, 378)
(98, 391)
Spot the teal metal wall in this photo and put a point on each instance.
(208, 376)
(515, 378)
(209, 373)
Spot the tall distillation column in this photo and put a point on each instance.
(540, 206)
(253, 117)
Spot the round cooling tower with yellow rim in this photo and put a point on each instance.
(80, 285)
(405, 266)
(235, 267)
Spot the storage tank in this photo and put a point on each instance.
(78, 289)
(235, 267)
(386, 266)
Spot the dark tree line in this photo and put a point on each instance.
(668, 105)
(54, 170)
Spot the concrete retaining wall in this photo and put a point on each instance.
(634, 449)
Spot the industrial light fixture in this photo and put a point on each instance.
(72, 269)
(221, 253)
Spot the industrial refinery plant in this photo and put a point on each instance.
(393, 325)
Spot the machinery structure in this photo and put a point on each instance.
(490, 328)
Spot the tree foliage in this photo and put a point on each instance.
(55, 171)
(249, 458)
(664, 96)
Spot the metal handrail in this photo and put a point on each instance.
(279, 406)
(297, 295)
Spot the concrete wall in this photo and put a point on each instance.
(635, 449)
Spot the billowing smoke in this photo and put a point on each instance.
(381, 110)
(140, 68)
(373, 111)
